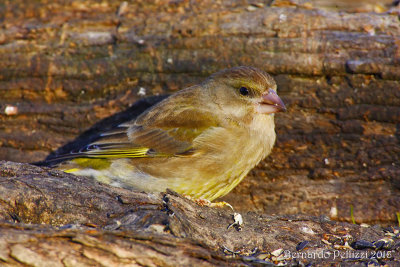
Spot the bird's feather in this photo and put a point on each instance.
(159, 132)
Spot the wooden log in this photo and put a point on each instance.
(67, 220)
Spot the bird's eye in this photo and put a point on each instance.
(244, 91)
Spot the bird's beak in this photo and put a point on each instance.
(270, 103)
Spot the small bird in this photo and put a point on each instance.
(200, 141)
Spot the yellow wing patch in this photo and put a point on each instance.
(140, 152)
(97, 164)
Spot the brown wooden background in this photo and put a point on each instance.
(67, 65)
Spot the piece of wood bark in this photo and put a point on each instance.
(50, 218)
(67, 65)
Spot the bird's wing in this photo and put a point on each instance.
(139, 142)
(161, 131)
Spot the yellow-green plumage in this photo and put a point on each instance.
(98, 164)
(201, 141)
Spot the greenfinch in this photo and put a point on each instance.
(200, 141)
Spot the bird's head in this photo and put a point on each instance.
(241, 91)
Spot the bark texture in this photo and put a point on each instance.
(69, 69)
(66, 220)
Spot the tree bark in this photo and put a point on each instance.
(69, 69)
(64, 220)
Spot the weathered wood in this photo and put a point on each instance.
(66, 65)
(65, 220)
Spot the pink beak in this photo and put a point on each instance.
(270, 103)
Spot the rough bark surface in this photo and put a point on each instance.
(65, 220)
(69, 69)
